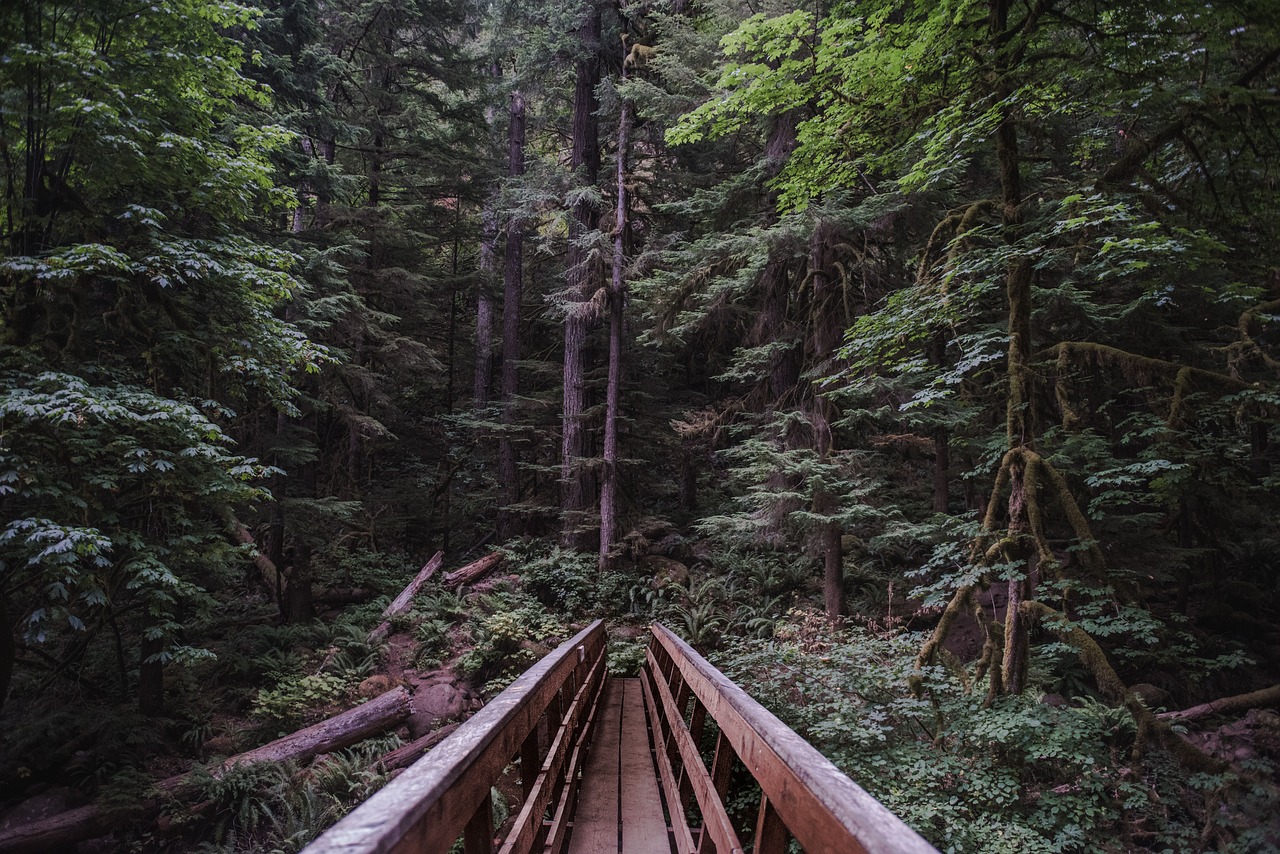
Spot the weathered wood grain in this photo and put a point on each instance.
(426, 808)
(662, 735)
(595, 821)
(473, 571)
(644, 829)
(715, 821)
(826, 811)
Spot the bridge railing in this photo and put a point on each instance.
(803, 795)
(544, 718)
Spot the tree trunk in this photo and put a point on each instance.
(941, 470)
(575, 477)
(402, 602)
(8, 650)
(268, 568)
(1225, 705)
(343, 730)
(617, 295)
(473, 571)
(484, 305)
(688, 479)
(826, 341)
(298, 605)
(150, 671)
(1019, 421)
(941, 440)
(512, 293)
(403, 757)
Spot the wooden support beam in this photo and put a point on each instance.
(826, 811)
(477, 837)
(715, 820)
(679, 825)
(771, 834)
(428, 806)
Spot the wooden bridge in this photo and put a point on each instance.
(641, 766)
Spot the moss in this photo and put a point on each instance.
(927, 652)
(1113, 689)
(1140, 371)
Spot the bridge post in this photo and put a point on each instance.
(771, 834)
(477, 837)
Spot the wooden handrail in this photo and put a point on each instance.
(803, 794)
(446, 793)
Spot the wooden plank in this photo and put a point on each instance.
(771, 834)
(721, 776)
(425, 808)
(661, 732)
(595, 821)
(477, 836)
(560, 820)
(826, 811)
(715, 820)
(644, 828)
(528, 824)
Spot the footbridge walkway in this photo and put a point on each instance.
(642, 766)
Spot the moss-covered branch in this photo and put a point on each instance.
(1113, 689)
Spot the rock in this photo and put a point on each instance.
(703, 552)
(672, 545)
(1266, 731)
(665, 570)
(376, 686)
(442, 699)
(1152, 696)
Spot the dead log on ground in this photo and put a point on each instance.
(352, 726)
(1238, 703)
(474, 571)
(402, 602)
(398, 606)
(61, 832)
(406, 755)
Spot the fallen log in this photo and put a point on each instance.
(402, 602)
(474, 571)
(1238, 703)
(62, 831)
(407, 754)
(270, 572)
(335, 733)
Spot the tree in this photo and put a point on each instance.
(617, 296)
(138, 306)
(512, 297)
(581, 309)
(913, 116)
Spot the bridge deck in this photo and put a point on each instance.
(629, 754)
(619, 805)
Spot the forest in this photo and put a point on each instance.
(917, 361)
